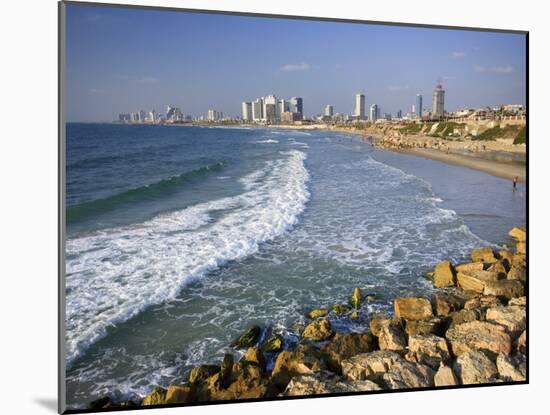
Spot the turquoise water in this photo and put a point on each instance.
(178, 238)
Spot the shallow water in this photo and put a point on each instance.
(182, 237)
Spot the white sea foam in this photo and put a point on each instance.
(114, 274)
(268, 141)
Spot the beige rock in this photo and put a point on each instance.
(466, 316)
(412, 308)
(471, 266)
(303, 360)
(376, 322)
(506, 255)
(445, 377)
(522, 301)
(326, 382)
(428, 349)
(318, 330)
(475, 280)
(444, 275)
(200, 373)
(514, 318)
(519, 260)
(484, 255)
(482, 302)
(392, 337)
(445, 303)
(255, 356)
(518, 233)
(505, 288)
(317, 313)
(521, 248)
(369, 365)
(432, 325)
(479, 335)
(499, 268)
(343, 346)
(521, 343)
(517, 272)
(356, 298)
(155, 397)
(475, 367)
(512, 368)
(178, 394)
(404, 374)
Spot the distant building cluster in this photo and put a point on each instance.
(271, 110)
(173, 115)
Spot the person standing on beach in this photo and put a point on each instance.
(515, 182)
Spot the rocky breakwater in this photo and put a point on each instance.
(471, 331)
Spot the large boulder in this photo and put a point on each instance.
(273, 345)
(369, 365)
(404, 375)
(514, 318)
(521, 343)
(356, 298)
(445, 376)
(500, 268)
(392, 337)
(429, 350)
(317, 313)
(475, 280)
(465, 316)
(518, 233)
(432, 325)
(482, 302)
(376, 322)
(343, 346)
(512, 368)
(504, 288)
(471, 266)
(521, 248)
(155, 397)
(318, 330)
(200, 373)
(302, 361)
(179, 394)
(340, 309)
(325, 382)
(248, 339)
(412, 308)
(444, 275)
(517, 272)
(479, 335)
(521, 301)
(475, 367)
(484, 255)
(445, 303)
(254, 356)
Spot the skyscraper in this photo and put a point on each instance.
(247, 111)
(329, 111)
(374, 112)
(360, 106)
(296, 104)
(399, 114)
(418, 106)
(257, 109)
(270, 112)
(438, 101)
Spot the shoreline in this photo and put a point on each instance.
(472, 331)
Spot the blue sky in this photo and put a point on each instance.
(124, 60)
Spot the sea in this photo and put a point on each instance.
(179, 238)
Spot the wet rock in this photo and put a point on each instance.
(318, 330)
(340, 309)
(200, 373)
(471, 266)
(317, 313)
(155, 397)
(273, 344)
(412, 308)
(100, 403)
(248, 339)
(404, 375)
(505, 288)
(475, 367)
(302, 361)
(179, 394)
(226, 368)
(445, 376)
(513, 318)
(255, 356)
(326, 382)
(356, 298)
(428, 349)
(444, 275)
(369, 365)
(392, 337)
(512, 368)
(446, 303)
(479, 335)
(376, 322)
(343, 346)
(475, 280)
(484, 255)
(518, 233)
(432, 325)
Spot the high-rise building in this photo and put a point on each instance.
(296, 104)
(399, 114)
(214, 115)
(257, 109)
(329, 111)
(270, 111)
(374, 113)
(173, 114)
(142, 116)
(247, 111)
(153, 116)
(418, 106)
(284, 106)
(438, 101)
(360, 106)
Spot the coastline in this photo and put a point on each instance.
(472, 331)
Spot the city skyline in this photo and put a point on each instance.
(197, 62)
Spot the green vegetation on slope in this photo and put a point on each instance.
(520, 138)
(510, 131)
(443, 129)
(411, 128)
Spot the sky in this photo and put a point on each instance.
(121, 60)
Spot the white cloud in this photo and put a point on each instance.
(458, 54)
(295, 67)
(494, 69)
(396, 88)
